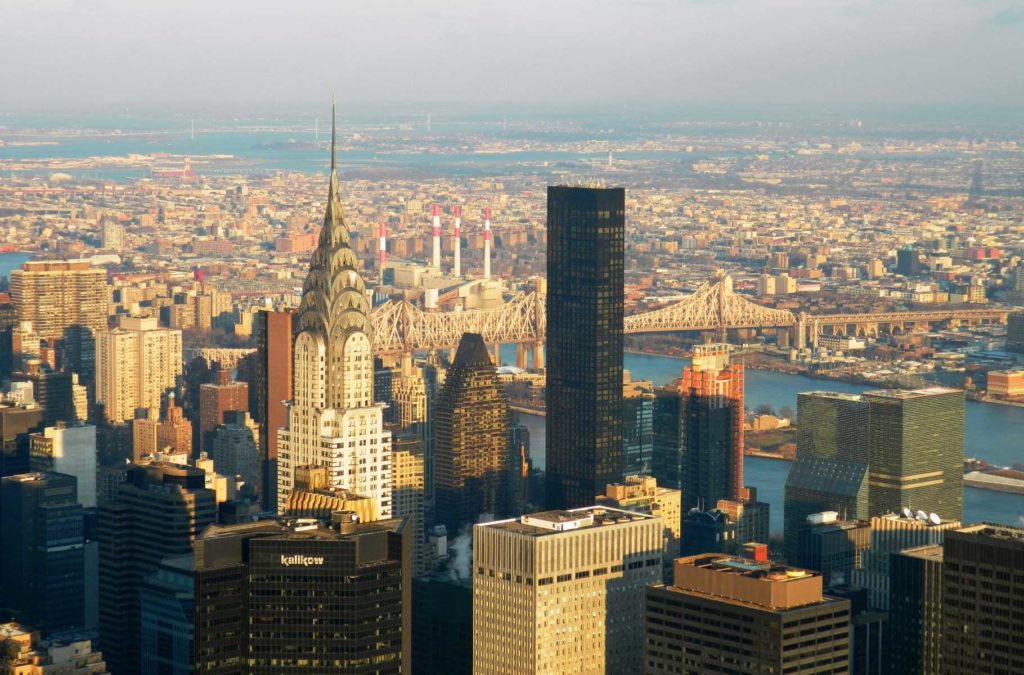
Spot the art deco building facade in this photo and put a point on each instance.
(586, 229)
(471, 439)
(333, 420)
(300, 597)
(136, 365)
(563, 591)
(723, 614)
(56, 294)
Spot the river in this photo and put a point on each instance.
(994, 433)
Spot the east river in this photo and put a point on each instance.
(994, 433)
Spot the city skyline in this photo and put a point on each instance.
(638, 336)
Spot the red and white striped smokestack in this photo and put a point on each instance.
(457, 270)
(383, 245)
(437, 238)
(487, 243)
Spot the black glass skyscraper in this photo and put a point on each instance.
(304, 597)
(42, 550)
(586, 228)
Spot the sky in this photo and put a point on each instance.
(565, 52)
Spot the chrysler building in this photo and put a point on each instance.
(332, 418)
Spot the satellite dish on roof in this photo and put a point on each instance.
(921, 515)
(934, 519)
(907, 513)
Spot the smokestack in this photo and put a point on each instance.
(437, 237)
(383, 249)
(487, 243)
(458, 241)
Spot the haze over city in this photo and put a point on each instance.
(850, 53)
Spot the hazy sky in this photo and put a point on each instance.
(69, 52)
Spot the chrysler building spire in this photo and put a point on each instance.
(333, 420)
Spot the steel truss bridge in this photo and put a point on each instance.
(401, 327)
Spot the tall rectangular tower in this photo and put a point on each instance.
(914, 641)
(831, 468)
(42, 554)
(157, 512)
(917, 451)
(273, 389)
(711, 420)
(586, 229)
(471, 439)
(136, 364)
(982, 596)
(558, 589)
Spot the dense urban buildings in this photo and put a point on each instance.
(982, 593)
(876, 454)
(304, 597)
(333, 419)
(158, 511)
(25, 652)
(471, 461)
(881, 254)
(643, 495)
(724, 614)
(833, 546)
(586, 227)
(558, 589)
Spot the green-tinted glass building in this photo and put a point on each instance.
(831, 468)
(916, 441)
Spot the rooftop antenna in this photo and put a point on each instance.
(334, 132)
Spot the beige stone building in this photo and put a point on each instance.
(56, 294)
(136, 364)
(407, 498)
(562, 592)
(642, 494)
